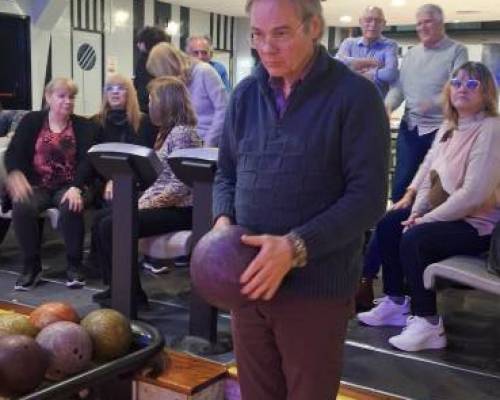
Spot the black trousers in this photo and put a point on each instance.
(25, 217)
(405, 256)
(151, 222)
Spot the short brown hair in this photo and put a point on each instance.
(306, 9)
(169, 106)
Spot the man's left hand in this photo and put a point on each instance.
(264, 274)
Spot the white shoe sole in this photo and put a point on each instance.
(435, 344)
(32, 286)
(75, 284)
(160, 270)
(376, 322)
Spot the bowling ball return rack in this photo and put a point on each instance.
(111, 379)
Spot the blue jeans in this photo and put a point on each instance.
(410, 152)
(405, 256)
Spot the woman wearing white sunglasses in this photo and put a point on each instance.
(454, 212)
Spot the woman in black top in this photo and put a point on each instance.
(120, 119)
(47, 167)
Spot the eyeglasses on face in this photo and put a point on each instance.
(471, 84)
(199, 52)
(277, 37)
(369, 20)
(115, 88)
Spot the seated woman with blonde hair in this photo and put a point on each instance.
(207, 91)
(120, 119)
(455, 210)
(166, 206)
(47, 167)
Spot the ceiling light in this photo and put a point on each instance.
(172, 28)
(121, 17)
(345, 19)
(398, 3)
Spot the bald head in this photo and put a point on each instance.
(372, 23)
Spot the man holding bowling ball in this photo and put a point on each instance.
(302, 164)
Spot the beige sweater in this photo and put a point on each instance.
(468, 165)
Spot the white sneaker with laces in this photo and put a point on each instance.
(420, 334)
(386, 313)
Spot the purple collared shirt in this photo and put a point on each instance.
(277, 86)
(384, 50)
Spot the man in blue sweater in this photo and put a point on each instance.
(302, 164)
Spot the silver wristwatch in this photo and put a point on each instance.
(299, 259)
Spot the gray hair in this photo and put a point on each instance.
(434, 10)
(373, 8)
(207, 38)
(306, 10)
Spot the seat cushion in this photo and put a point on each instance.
(470, 271)
(167, 246)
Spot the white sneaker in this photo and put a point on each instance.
(420, 334)
(386, 313)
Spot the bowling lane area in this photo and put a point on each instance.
(471, 361)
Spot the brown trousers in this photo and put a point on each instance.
(290, 348)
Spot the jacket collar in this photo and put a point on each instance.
(319, 67)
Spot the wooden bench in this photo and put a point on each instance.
(470, 271)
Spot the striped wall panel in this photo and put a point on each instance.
(222, 31)
(87, 15)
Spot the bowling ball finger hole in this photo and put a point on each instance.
(75, 351)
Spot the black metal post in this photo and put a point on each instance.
(123, 285)
(202, 316)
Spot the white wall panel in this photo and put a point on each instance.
(176, 17)
(119, 34)
(243, 59)
(149, 12)
(87, 71)
(199, 22)
(11, 7)
(61, 45)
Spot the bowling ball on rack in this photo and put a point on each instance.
(218, 260)
(110, 331)
(69, 347)
(51, 312)
(22, 365)
(17, 324)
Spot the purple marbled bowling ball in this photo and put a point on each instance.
(22, 365)
(217, 262)
(69, 347)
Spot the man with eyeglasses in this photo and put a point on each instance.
(303, 165)
(425, 69)
(372, 55)
(201, 48)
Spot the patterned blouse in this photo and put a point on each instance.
(167, 190)
(55, 157)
